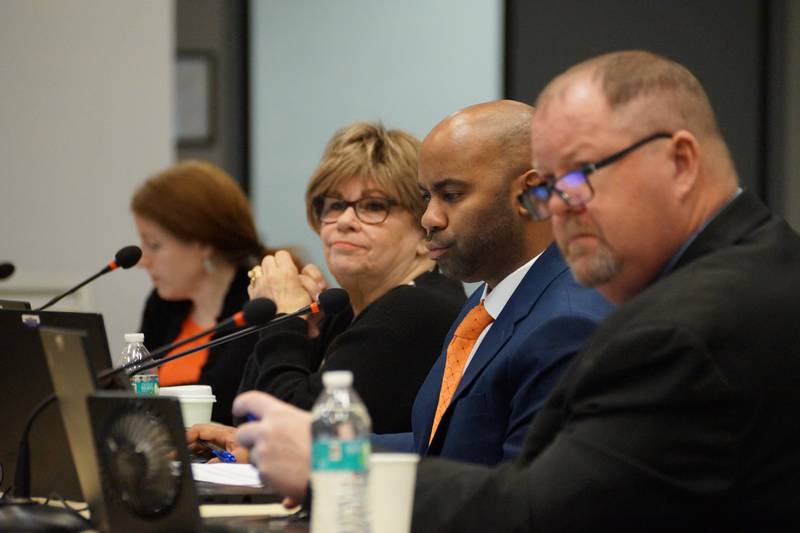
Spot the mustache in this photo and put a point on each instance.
(573, 227)
(431, 237)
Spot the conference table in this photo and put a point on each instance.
(253, 517)
(234, 517)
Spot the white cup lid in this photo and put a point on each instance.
(188, 392)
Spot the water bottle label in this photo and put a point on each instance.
(352, 455)
(145, 385)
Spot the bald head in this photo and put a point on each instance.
(473, 167)
(493, 133)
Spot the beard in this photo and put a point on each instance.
(596, 269)
(593, 263)
(486, 247)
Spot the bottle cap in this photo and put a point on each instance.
(337, 378)
(134, 337)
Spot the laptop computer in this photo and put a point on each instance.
(52, 468)
(131, 460)
(25, 381)
(101, 426)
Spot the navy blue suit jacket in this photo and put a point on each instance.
(545, 322)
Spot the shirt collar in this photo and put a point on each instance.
(496, 300)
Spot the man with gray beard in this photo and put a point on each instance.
(680, 413)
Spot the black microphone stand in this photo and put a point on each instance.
(105, 270)
(125, 257)
(216, 342)
(22, 477)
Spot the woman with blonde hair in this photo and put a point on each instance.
(364, 203)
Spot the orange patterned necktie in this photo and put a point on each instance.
(458, 352)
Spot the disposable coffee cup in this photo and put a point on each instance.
(391, 491)
(196, 402)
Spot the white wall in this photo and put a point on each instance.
(85, 114)
(318, 65)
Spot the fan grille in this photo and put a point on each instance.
(138, 458)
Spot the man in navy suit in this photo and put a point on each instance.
(473, 168)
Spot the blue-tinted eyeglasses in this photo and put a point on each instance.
(574, 187)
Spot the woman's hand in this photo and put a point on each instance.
(280, 282)
(314, 282)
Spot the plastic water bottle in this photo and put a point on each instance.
(144, 383)
(339, 458)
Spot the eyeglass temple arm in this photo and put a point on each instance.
(619, 155)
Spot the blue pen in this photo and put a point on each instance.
(251, 417)
(220, 453)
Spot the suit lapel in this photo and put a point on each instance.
(519, 306)
(433, 382)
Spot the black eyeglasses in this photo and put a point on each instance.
(574, 187)
(369, 210)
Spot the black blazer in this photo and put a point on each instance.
(389, 347)
(681, 413)
(161, 323)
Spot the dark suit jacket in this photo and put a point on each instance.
(680, 414)
(544, 323)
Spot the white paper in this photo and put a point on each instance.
(227, 474)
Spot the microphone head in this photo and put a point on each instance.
(259, 311)
(332, 301)
(6, 269)
(128, 256)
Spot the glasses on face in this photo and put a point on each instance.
(369, 210)
(574, 187)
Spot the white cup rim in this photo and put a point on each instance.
(189, 393)
(188, 389)
(184, 399)
(389, 457)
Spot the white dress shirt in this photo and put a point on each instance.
(495, 300)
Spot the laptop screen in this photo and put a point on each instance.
(25, 381)
(14, 304)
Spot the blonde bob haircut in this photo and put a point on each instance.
(369, 151)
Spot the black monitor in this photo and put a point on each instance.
(25, 381)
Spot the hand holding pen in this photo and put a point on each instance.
(200, 437)
(220, 453)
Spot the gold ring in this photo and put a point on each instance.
(254, 273)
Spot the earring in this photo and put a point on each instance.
(208, 265)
